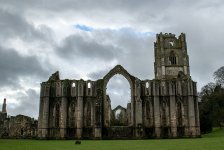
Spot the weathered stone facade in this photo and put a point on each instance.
(19, 126)
(165, 107)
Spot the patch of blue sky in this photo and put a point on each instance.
(124, 30)
(83, 27)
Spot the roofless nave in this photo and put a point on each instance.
(163, 107)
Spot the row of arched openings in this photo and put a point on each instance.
(165, 112)
(88, 85)
(71, 115)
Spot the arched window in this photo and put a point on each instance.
(148, 110)
(88, 114)
(72, 117)
(147, 88)
(89, 85)
(73, 85)
(164, 113)
(172, 58)
(57, 115)
(179, 114)
(147, 85)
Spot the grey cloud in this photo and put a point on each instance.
(28, 104)
(98, 74)
(14, 66)
(77, 46)
(15, 26)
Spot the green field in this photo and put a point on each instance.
(212, 141)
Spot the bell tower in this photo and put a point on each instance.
(171, 58)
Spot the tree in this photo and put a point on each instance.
(219, 75)
(211, 107)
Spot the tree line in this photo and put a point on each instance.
(211, 103)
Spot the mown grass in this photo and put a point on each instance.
(212, 141)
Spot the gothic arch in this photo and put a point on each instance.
(72, 115)
(118, 70)
(148, 113)
(88, 114)
(131, 79)
(179, 112)
(164, 110)
(57, 113)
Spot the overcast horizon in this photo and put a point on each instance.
(85, 39)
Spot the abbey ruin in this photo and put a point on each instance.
(165, 107)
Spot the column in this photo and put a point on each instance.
(40, 118)
(191, 110)
(173, 117)
(64, 111)
(156, 110)
(45, 117)
(79, 117)
(80, 110)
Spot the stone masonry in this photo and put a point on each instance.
(165, 107)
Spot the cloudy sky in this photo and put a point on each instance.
(85, 39)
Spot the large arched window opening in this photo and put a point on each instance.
(119, 95)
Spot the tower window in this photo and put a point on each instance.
(172, 58)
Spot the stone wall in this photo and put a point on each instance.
(165, 107)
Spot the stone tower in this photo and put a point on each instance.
(171, 57)
(4, 106)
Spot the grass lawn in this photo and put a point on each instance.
(212, 141)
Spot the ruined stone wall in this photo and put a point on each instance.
(165, 107)
(19, 126)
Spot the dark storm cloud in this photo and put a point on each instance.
(13, 25)
(14, 66)
(77, 46)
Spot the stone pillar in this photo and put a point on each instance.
(98, 115)
(138, 109)
(197, 119)
(40, 118)
(198, 133)
(80, 110)
(44, 110)
(157, 122)
(173, 117)
(191, 110)
(64, 106)
(45, 119)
